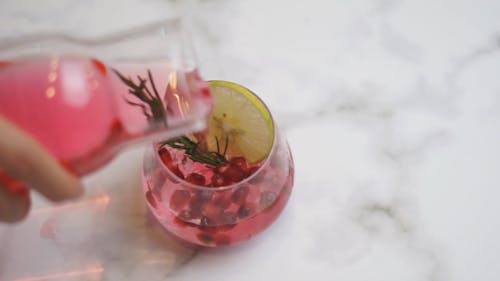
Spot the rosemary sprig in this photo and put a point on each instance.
(153, 108)
(194, 152)
(150, 102)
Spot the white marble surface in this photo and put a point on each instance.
(392, 112)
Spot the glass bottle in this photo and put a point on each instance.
(87, 99)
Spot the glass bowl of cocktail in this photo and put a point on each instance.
(226, 184)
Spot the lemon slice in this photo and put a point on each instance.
(239, 122)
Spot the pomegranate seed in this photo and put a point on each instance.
(226, 221)
(239, 162)
(195, 210)
(244, 211)
(223, 200)
(179, 199)
(203, 195)
(151, 199)
(196, 179)
(197, 201)
(177, 172)
(252, 170)
(211, 210)
(239, 196)
(267, 199)
(233, 174)
(165, 156)
(205, 238)
(228, 218)
(221, 168)
(218, 180)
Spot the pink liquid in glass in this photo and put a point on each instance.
(212, 206)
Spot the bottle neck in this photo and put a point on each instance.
(154, 106)
(159, 101)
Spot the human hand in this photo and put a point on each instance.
(25, 162)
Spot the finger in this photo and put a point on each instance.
(14, 203)
(26, 160)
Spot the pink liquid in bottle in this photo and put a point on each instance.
(82, 112)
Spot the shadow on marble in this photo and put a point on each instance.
(108, 235)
